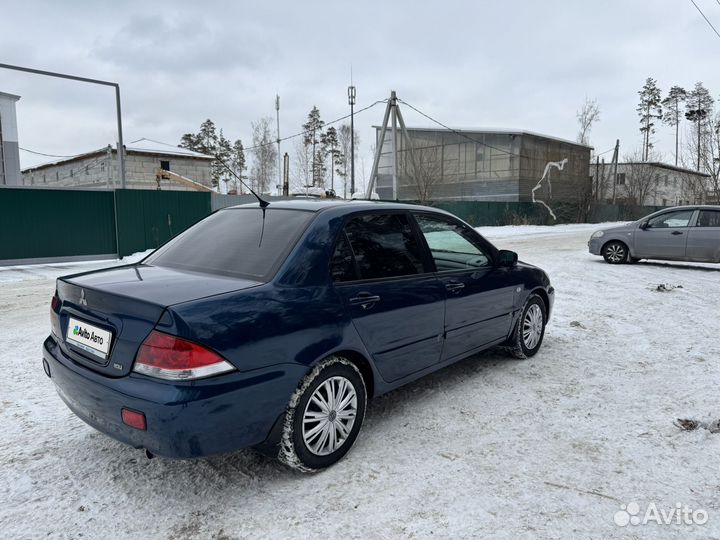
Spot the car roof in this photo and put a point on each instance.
(317, 205)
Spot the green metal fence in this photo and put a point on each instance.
(52, 224)
(45, 224)
(146, 219)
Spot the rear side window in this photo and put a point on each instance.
(709, 218)
(238, 242)
(384, 246)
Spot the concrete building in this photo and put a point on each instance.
(649, 184)
(9, 151)
(143, 160)
(484, 165)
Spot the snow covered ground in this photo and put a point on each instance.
(491, 447)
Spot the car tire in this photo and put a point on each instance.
(615, 252)
(317, 433)
(530, 328)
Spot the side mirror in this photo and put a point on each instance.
(507, 258)
(644, 225)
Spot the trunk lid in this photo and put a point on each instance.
(127, 302)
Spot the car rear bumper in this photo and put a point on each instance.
(184, 420)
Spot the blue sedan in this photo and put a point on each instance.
(272, 327)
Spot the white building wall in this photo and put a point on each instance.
(101, 171)
(9, 150)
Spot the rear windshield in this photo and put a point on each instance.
(237, 242)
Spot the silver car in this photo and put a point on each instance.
(682, 233)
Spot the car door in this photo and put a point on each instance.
(703, 243)
(395, 301)
(479, 296)
(664, 236)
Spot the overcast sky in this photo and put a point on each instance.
(515, 64)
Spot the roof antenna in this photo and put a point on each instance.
(263, 203)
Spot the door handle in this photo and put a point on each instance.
(675, 233)
(364, 300)
(454, 286)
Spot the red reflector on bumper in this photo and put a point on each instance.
(134, 419)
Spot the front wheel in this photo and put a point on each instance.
(324, 416)
(615, 252)
(530, 328)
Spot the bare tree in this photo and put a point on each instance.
(421, 169)
(264, 155)
(301, 170)
(640, 180)
(588, 114)
(344, 142)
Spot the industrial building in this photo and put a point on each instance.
(9, 150)
(649, 183)
(482, 165)
(148, 165)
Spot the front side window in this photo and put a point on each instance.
(384, 246)
(709, 218)
(680, 218)
(451, 245)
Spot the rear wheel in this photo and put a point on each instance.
(615, 252)
(324, 416)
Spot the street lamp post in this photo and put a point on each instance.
(351, 101)
(121, 153)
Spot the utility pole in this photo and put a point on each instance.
(597, 178)
(392, 110)
(120, 145)
(351, 101)
(286, 175)
(615, 174)
(277, 114)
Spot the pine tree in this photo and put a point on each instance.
(313, 129)
(223, 151)
(189, 141)
(672, 116)
(237, 162)
(698, 109)
(331, 150)
(207, 138)
(649, 108)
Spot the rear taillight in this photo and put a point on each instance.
(168, 357)
(54, 316)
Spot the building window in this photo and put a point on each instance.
(165, 165)
(674, 182)
(664, 202)
(87, 169)
(620, 178)
(71, 173)
(57, 176)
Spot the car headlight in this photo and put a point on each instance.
(598, 234)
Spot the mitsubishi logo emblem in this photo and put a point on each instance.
(83, 301)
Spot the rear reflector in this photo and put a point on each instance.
(134, 419)
(169, 357)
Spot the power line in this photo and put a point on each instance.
(46, 155)
(706, 19)
(309, 130)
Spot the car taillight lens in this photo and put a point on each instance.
(168, 357)
(54, 316)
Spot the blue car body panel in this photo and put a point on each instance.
(273, 333)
